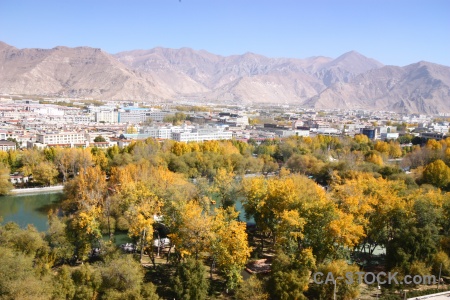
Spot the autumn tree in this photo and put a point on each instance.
(144, 206)
(30, 159)
(344, 287)
(251, 289)
(224, 186)
(88, 189)
(83, 231)
(5, 185)
(297, 214)
(191, 234)
(437, 173)
(45, 173)
(229, 245)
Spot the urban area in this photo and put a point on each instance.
(224, 201)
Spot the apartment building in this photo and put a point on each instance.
(202, 134)
(107, 116)
(61, 138)
(132, 115)
(7, 145)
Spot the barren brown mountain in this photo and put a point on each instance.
(349, 81)
(421, 87)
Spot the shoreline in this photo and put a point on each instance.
(56, 188)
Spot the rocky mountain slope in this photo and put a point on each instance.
(349, 81)
(421, 87)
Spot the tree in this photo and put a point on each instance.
(99, 158)
(65, 161)
(251, 289)
(305, 164)
(29, 160)
(87, 282)
(83, 230)
(5, 185)
(297, 214)
(374, 157)
(229, 246)
(18, 278)
(141, 212)
(122, 276)
(437, 173)
(61, 249)
(88, 189)
(345, 289)
(45, 173)
(414, 236)
(290, 275)
(63, 285)
(99, 139)
(191, 234)
(190, 281)
(223, 185)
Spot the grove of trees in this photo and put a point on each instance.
(318, 204)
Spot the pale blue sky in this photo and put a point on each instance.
(395, 32)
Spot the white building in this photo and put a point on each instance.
(61, 138)
(107, 116)
(157, 115)
(133, 116)
(202, 134)
(389, 135)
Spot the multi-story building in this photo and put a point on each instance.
(7, 145)
(133, 115)
(61, 138)
(107, 116)
(202, 134)
(157, 115)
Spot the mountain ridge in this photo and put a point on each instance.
(349, 81)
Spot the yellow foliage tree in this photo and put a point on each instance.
(229, 245)
(191, 234)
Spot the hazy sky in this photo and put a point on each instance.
(395, 32)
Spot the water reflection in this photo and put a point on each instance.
(29, 209)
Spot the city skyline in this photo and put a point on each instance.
(392, 32)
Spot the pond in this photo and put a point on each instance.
(29, 208)
(25, 209)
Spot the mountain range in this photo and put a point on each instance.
(347, 82)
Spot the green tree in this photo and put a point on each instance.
(60, 247)
(190, 282)
(251, 289)
(63, 285)
(87, 282)
(290, 275)
(18, 278)
(99, 139)
(122, 275)
(344, 290)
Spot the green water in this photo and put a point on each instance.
(29, 209)
(33, 209)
